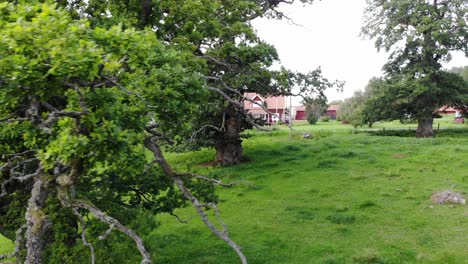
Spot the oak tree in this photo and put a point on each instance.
(237, 61)
(83, 112)
(419, 35)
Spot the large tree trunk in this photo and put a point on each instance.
(425, 128)
(229, 146)
(36, 221)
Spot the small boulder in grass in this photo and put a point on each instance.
(448, 197)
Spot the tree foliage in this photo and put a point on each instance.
(419, 36)
(77, 103)
(91, 90)
(462, 103)
(357, 109)
(315, 108)
(237, 60)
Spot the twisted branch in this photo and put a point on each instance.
(239, 105)
(179, 219)
(19, 178)
(199, 207)
(83, 235)
(107, 233)
(112, 221)
(67, 201)
(83, 104)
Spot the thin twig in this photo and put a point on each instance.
(194, 134)
(215, 181)
(130, 92)
(20, 153)
(107, 233)
(7, 118)
(216, 61)
(239, 106)
(83, 235)
(222, 234)
(83, 104)
(180, 220)
(199, 207)
(19, 178)
(112, 221)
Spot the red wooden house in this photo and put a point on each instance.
(446, 110)
(300, 113)
(458, 116)
(276, 106)
(332, 111)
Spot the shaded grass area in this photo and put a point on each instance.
(336, 199)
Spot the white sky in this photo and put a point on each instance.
(329, 37)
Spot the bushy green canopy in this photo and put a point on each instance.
(419, 35)
(75, 94)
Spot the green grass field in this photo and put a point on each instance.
(336, 198)
(6, 246)
(341, 198)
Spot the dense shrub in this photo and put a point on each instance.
(325, 119)
(312, 119)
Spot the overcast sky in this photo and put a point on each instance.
(328, 37)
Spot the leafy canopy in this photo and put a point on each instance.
(76, 94)
(419, 35)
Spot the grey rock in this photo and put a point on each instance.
(448, 197)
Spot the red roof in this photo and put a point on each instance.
(272, 102)
(333, 108)
(447, 109)
(299, 108)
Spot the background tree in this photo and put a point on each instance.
(350, 110)
(462, 71)
(462, 105)
(315, 108)
(420, 35)
(237, 61)
(357, 110)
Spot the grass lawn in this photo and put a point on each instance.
(337, 198)
(445, 122)
(341, 198)
(6, 246)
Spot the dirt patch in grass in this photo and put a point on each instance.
(208, 164)
(399, 156)
(213, 163)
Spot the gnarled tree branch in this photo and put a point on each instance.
(83, 235)
(199, 207)
(112, 221)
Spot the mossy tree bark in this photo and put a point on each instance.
(36, 221)
(229, 145)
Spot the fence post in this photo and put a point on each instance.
(438, 127)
